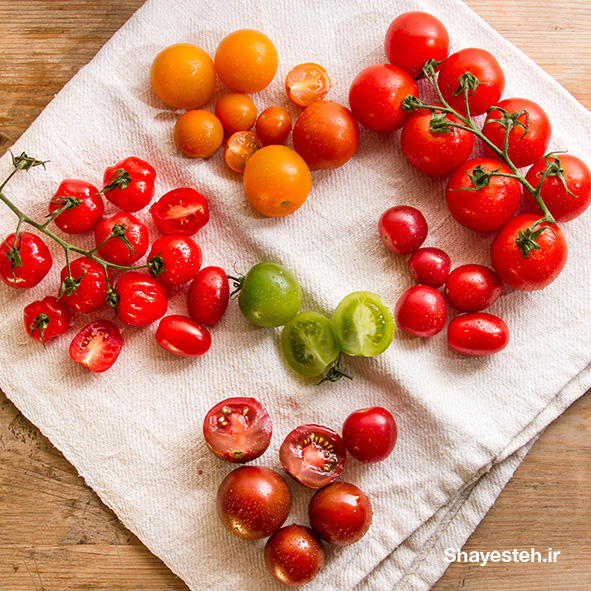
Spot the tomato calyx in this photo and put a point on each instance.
(24, 162)
(119, 180)
(527, 239)
(64, 202)
(509, 121)
(467, 83)
(237, 283)
(40, 322)
(439, 124)
(70, 285)
(156, 265)
(334, 373)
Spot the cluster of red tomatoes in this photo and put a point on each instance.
(253, 502)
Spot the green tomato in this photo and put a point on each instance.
(270, 295)
(363, 324)
(309, 344)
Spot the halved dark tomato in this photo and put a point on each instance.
(97, 345)
(314, 455)
(237, 429)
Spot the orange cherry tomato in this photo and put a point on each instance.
(236, 111)
(273, 125)
(307, 83)
(246, 60)
(277, 180)
(239, 148)
(198, 133)
(183, 76)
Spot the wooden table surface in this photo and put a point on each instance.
(56, 535)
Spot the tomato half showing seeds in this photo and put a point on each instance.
(421, 311)
(239, 148)
(363, 324)
(46, 319)
(340, 513)
(477, 334)
(83, 206)
(129, 183)
(86, 290)
(174, 260)
(238, 429)
(429, 266)
(253, 502)
(403, 229)
(472, 288)
(141, 299)
(370, 434)
(97, 345)
(294, 555)
(129, 241)
(208, 296)
(24, 262)
(307, 83)
(314, 455)
(181, 211)
(182, 336)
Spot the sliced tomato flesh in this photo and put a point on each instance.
(307, 83)
(97, 345)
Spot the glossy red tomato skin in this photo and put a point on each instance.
(370, 434)
(97, 345)
(294, 555)
(477, 334)
(434, 154)
(130, 195)
(208, 296)
(485, 67)
(326, 135)
(562, 206)
(91, 293)
(429, 266)
(541, 267)
(340, 513)
(421, 311)
(35, 257)
(376, 96)
(403, 229)
(253, 502)
(142, 299)
(181, 211)
(413, 38)
(114, 250)
(524, 147)
(182, 336)
(238, 429)
(47, 318)
(82, 217)
(472, 288)
(180, 256)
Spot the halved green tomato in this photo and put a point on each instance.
(308, 343)
(363, 324)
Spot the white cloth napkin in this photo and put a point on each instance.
(134, 433)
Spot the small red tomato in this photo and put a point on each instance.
(86, 290)
(24, 260)
(141, 299)
(403, 229)
(294, 555)
(97, 346)
(429, 266)
(273, 125)
(472, 288)
(340, 513)
(182, 336)
(238, 429)
(370, 434)
(477, 334)
(253, 502)
(129, 184)
(208, 295)
(180, 211)
(46, 319)
(128, 242)
(421, 311)
(326, 135)
(174, 260)
(84, 206)
(307, 83)
(376, 96)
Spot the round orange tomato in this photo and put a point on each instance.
(306, 83)
(198, 133)
(246, 60)
(239, 148)
(236, 111)
(273, 125)
(277, 180)
(183, 76)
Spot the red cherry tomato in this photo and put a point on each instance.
(484, 66)
(326, 135)
(85, 206)
(180, 211)
(429, 266)
(413, 38)
(238, 429)
(313, 455)
(541, 266)
(403, 229)
(479, 199)
(434, 153)
(471, 288)
(253, 502)
(46, 319)
(376, 96)
(370, 434)
(307, 83)
(208, 295)
(174, 260)
(97, 346)
(128, 245)
(527, 142)
(141, 299)
(24, 261)
(477, 334)
(129, 184)
(87, 290)
(421, 311)
(564, 202)
(182, 336)
(273, 125)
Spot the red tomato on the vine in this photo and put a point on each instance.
(129, 184)
(87, 290)
(47, 318)
(85, 206)
(174, 260)
(24, 261)
(141, 299)
(180, 211)
(128, 245)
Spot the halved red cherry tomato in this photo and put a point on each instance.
(174, 260)
(85, 206)
(472, 288)
(182, 336)
(180, 211)
(46, 319)
(97, 345)
(477, 334)
(128, 245)
(239, 148)
(87, 289)
(129, 184)
(141, 299)
(24, 261)
(307, 83)
(209, 294)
